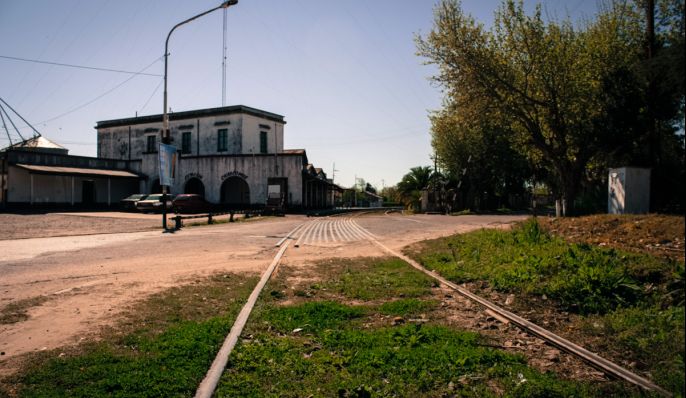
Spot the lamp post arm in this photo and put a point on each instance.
(165, 118)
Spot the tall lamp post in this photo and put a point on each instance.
(166, 139)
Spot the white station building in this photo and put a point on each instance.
(231, 155)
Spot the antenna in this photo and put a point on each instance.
(224, 61)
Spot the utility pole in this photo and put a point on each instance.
(333, 188)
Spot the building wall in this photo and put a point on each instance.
(252, 126)
(255, 170)
(58, 189)
(243, 131)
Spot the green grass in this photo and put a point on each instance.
(407, 307)
(162, 348)
(582, 278)
(632, 303)
(365, 280)
(315, 346)
(337, 358)
(653, 336)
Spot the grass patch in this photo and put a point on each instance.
(374, 279)
(17, 311)
(653, 336)
(582, 278)
(163, 347)
(632, 304)
(339, 359)
(407, 307)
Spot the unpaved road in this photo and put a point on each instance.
(86, 281)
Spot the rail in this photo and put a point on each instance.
(206, 388)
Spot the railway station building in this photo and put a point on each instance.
(231, 155)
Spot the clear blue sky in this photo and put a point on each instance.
(343, 73)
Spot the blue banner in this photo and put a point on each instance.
(167, 164)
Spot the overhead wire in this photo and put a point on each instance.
(152, 95)
(101, 95)
(83, 28)
(78, 66)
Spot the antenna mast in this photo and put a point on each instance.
(224, 62)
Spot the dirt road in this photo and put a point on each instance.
(71, 286)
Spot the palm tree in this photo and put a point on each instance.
(412, 183)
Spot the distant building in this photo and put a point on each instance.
(231, 155)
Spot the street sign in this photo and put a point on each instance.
(167, 164)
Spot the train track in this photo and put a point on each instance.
(345, 230)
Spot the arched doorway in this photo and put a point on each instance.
(155, 187)
(194, 185)
(235, 192)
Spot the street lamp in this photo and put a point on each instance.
(165, 116)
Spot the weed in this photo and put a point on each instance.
(17, 311)
(407, 307)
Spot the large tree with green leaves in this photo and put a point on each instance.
(544, 83)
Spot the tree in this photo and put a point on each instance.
(479, 157)
(412, 183)
(541, 82)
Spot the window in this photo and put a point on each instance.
(186, 142)
(222, 140)
(263, 142)
(151, 147)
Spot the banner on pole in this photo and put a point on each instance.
(167, 164)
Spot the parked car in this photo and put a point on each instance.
(129, 204)
(153, 203)
(192, 203)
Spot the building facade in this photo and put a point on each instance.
(230, 155)
(38, 172)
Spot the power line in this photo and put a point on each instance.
(101, 95)
(78, 66)
(152, 95)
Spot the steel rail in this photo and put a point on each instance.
(209, 383)
(589, 357)
(288, 235)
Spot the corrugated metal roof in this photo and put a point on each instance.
(77, 171)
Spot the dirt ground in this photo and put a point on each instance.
(659, 235)
(74, 285)
(24, 226)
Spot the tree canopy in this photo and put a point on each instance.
(547, 98)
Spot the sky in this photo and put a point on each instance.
(344, 73)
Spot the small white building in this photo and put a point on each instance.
(628, 190)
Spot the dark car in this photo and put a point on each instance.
(153, 203)
(129, 204)
(192, 203)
